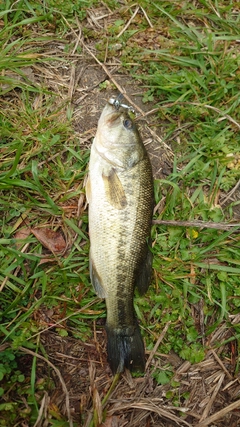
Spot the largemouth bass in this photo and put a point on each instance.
(120, 196)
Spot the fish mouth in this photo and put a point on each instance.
(112, 117)
(110, 114)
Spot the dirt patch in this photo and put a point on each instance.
(205, 393)
(88, 108)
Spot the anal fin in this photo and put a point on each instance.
(96, 280)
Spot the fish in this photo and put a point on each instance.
(119, 192)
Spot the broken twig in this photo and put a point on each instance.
(199, 224)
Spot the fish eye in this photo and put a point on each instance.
(128, 124)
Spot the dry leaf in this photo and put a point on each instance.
(50, 239)
(22, 234)
(46, 260)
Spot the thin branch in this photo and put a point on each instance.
(118, 86)
(210, 107)
(200, 224)
(147, 18)
(129, 22)
(160, 338)
(221, 364)
(230, 193)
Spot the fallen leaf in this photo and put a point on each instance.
(46, 260)
(22, 234)
(50, 239)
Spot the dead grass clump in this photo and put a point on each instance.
(199, 395)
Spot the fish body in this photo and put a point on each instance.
(120, 196)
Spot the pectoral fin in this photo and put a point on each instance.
(143, 279)
(114, 190)
(96, 280)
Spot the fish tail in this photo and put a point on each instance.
(125, 349)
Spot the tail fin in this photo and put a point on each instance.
(125, 350)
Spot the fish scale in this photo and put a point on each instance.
(120, 195)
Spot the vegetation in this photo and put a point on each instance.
(185, 56)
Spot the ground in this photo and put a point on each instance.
(82, 367)
(77, 373)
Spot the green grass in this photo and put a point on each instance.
(41, 175)
(189, 70)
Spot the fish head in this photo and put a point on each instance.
(117, 138)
